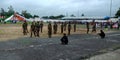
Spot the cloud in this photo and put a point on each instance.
(56, 7)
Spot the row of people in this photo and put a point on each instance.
(36, 27)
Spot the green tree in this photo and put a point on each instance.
(52, 17)
(82, 15)
(2, 12)
(60, 16)
(10, 11)
(26, 14)
(117, 13)
(45, 17)
(35, 16)
(72, 15)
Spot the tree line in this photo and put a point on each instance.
(11, 11)
(28, 15)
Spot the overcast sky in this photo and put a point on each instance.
(56, 7)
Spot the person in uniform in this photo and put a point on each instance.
(25, 29)
(32, 29)
(69, 28)
(94, 27)
(41, 26)
(118, 23)
(37, 28)
(74, 26)
(87, 25)
(49, 30)
(101, 25)
(62, 27)
(55, 27)
(101, 34)
(64, 39)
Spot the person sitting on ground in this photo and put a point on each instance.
(101, 34)
(64, 39)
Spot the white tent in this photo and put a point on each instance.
(8, 18)
(15, 17)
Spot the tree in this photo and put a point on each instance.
(72, 15)
(52, 17)
(10, 11)
(26, 14)
(2, 12)
(60, 16)
(35, 16)
(45, 17)
(82, 15)
(117, 13)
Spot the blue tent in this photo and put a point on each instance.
(107, 18)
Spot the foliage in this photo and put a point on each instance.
(53, 17)
(72, 15)
(117, 13)
(26, 14)
(35, 16)
(82, 15)
(11, 11)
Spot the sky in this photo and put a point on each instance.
(65, 7)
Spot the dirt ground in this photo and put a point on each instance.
(14, 31)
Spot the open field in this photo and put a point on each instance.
(14, 31)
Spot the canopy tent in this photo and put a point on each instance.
(15, 17)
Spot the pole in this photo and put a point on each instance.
(110, 8)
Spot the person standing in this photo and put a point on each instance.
(69, 28)
(49, 30)
(74, 26)
(87, 25)
(41, 26)
(118, 25)
(25, 29)
(32, 29)
(55, 28)
(37, 28)
(62, 27)
(94, 27)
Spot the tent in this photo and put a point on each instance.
(15, 17)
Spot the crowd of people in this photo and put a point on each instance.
(37, 27)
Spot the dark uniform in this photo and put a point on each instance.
(41, 26)
(64, 39)
(69, 28)
(49, 30)
(101, 25)
(37, 26)
(74, 27)
(101, 34)
(65, 24)
(55, 28)
(111, 25)
(94, 27)
(118, 25)
(87, 25)
(62, 27)
(24, 26)
(32, 29)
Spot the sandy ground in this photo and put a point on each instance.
(14, 31)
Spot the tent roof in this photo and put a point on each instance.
(15, 17)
